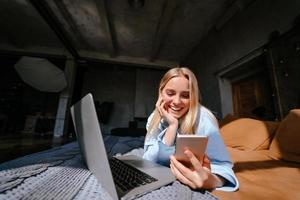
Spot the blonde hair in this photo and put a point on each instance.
(188, 123)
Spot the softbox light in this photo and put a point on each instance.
(41, 74)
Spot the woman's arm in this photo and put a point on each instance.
(159, 145)
(216, 151)
(218, 173)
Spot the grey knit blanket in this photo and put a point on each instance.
(59, 173)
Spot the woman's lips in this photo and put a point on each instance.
(176, 109)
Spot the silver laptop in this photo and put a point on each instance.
(87, 128)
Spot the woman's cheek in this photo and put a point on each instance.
(167, 100)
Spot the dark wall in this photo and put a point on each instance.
(19, 100)
(285, 62)
(244, 33)
(132, 90)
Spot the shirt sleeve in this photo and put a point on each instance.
(150, 144)
(216, 151)
(154, 147)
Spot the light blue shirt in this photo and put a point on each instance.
(155, 149)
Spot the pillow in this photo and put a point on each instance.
(285, 144)
(248, 134)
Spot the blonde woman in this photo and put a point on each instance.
(178, 111)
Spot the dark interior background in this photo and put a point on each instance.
(245, 54)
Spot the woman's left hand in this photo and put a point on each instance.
(199, 176)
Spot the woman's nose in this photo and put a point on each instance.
(177, 100)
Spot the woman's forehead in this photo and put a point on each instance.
(178, 82)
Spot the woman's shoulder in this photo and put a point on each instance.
(206, 116)
(205, 111)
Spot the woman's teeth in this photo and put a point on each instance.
(175, 109)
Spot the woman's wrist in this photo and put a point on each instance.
(174, 123)
(170, 134)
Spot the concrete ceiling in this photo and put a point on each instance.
(149, 33)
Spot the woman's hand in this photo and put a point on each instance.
(170, 134)
(199, 176)
(161, 107)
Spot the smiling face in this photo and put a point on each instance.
(176, 94)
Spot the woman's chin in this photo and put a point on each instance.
(176, 115)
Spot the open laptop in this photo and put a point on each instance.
(92, 147)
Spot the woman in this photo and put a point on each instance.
(178, 111)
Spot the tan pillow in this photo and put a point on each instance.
(227, 119)
(248, 134)
(286, 142)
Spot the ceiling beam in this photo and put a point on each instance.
(162, 28)
(45, 11)
(70, 22)
(232, 9)
(105, 13)
(87, 56)
(126, 60)
(34, 52)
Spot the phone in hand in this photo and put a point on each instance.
(195, 143)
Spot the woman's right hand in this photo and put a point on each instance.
(170, 134)
(161, 107)
(199, 175)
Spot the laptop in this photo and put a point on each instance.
(150, 175)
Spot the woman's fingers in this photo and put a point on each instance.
(158, 102)
(181, 177)
(206, 162)
(163, 112)
(158, 105)
(160, 112)
(197, 165)
(186, 172)
(162, 108)
(197, 176)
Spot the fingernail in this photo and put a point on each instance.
(188, 154)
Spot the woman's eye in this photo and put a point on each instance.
(185, 96)
(170, 92)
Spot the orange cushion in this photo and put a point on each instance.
(227, 119)
(286, 141)
(248, 134)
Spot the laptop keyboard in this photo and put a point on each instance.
(127, 177)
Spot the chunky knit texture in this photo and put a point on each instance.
(59, 173)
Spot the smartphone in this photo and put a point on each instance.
(195, 143)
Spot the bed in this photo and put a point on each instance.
(59, 173)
